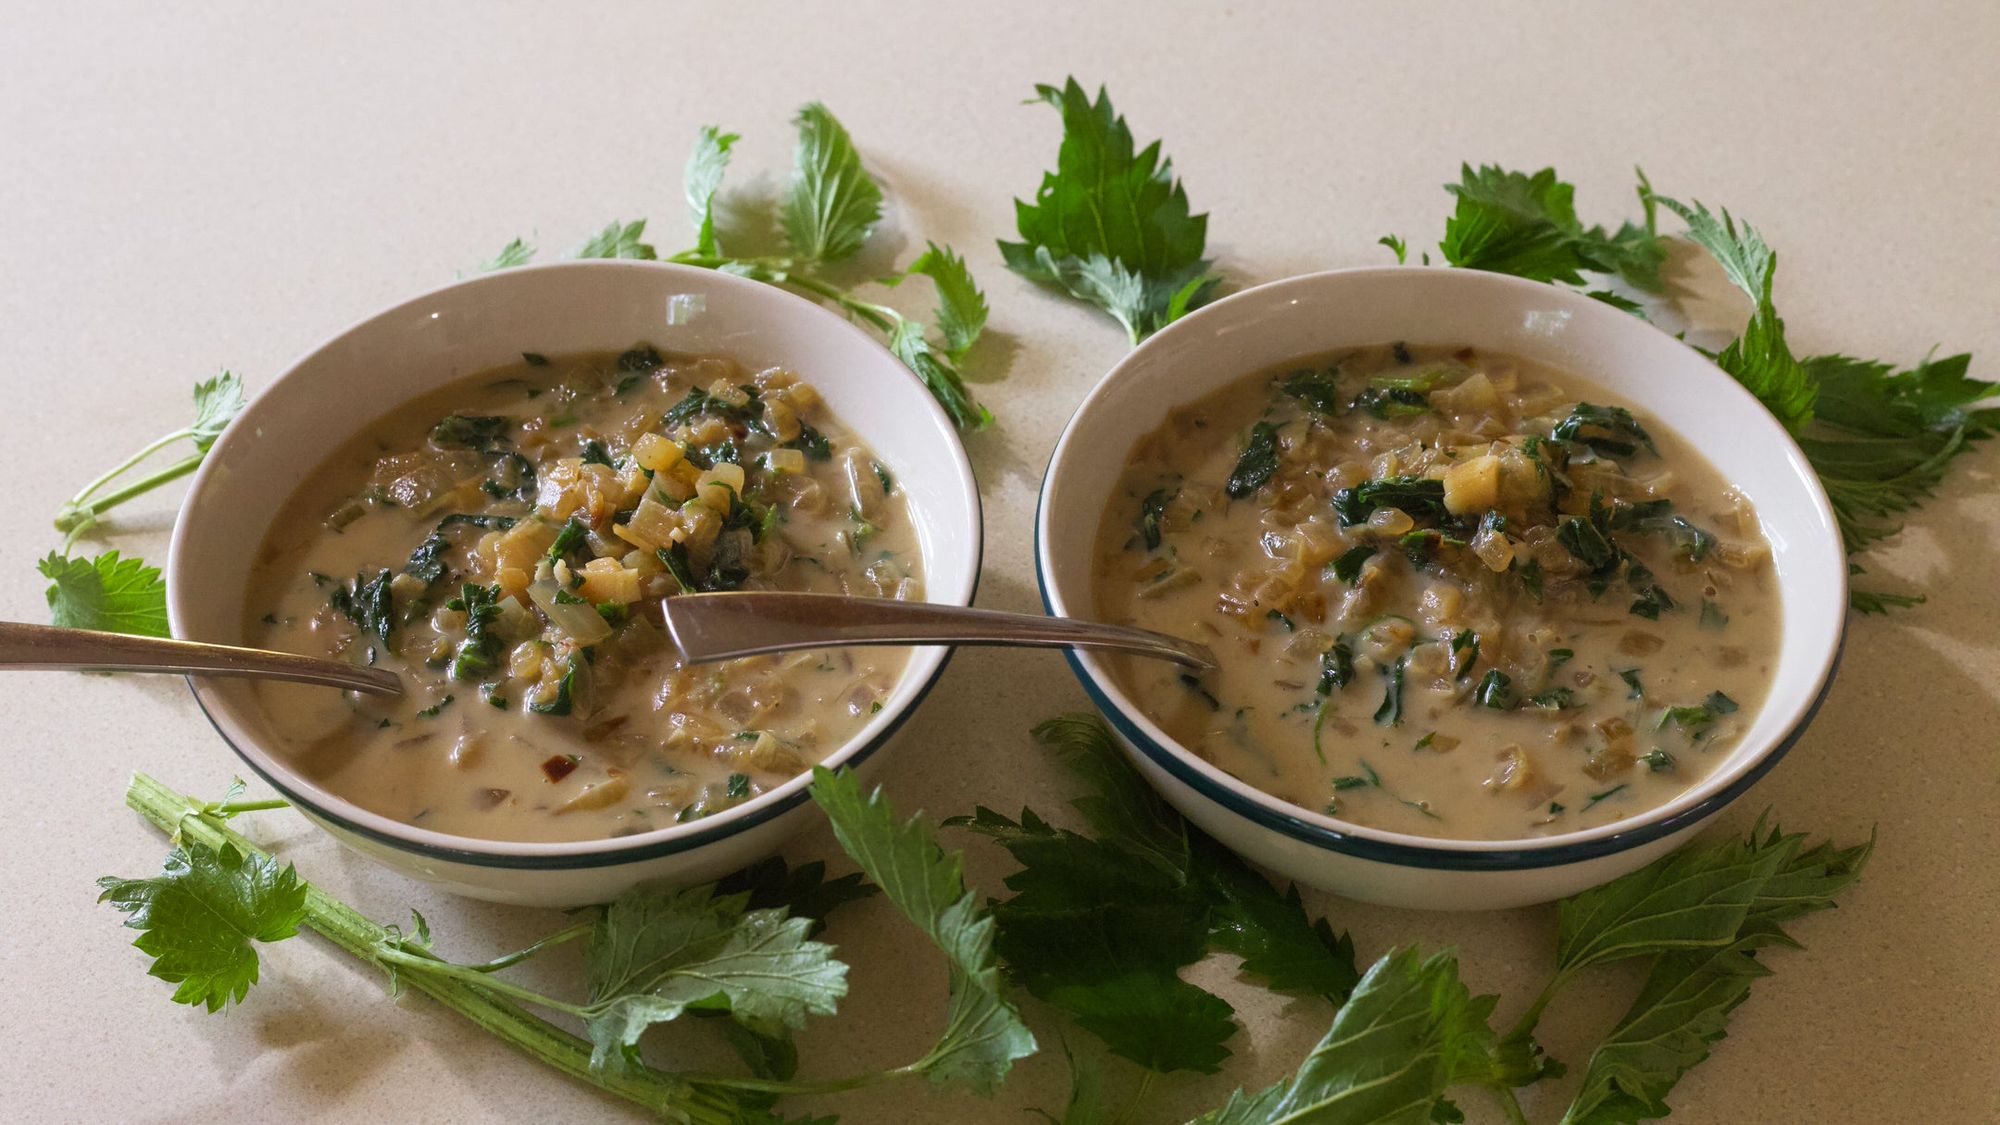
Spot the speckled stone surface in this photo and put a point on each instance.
(185, 191)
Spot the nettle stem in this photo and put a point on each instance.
(673, 1098)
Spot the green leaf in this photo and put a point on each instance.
(515, 253)
(216, 402)
(1409, 1031)
(1111, 225)
(1091, 1099)
(1697, 897)
(1760, 358)
(983, 1033)
(803, 891)
(619, 240)
(701, 179)
(1882, 440)
(961, 311)
(1685, 1002)
(1119, 804)
(832, 200)
(1683, 1007)
(106, 593)
(1271, 932)
(1100, 927)
(1526, 225)
(908, 342)
(200, 914)
(655, 954)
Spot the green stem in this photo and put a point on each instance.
(100, 482)
(426, 963)
(673, 1098)
(235, 807)
(547, 943)
(1509, 1104)
(77, 518)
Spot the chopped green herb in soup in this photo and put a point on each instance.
(504, 546)
(1453, 594)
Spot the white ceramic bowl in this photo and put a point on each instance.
(352, 380)
(1311, 315)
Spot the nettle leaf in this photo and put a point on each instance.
(832, 200)
(1101, 926)
(1111, 225)
(701, 180)
(1882, 440)
(1697, 897)
(1760, 358)
(961, 311)
(1526, 225)
(217, 401)
(983, 1033)
(1293, 952)
(107, 593)
(656, 954)
(909, 343)
(803, 891)
(619, 240)
(199, 916)
(1410, 1030)
(1682, 1008)
(515, 253)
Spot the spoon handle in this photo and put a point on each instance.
(86, 650)
(719, 626)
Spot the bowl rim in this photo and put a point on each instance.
(1402, 849)
(927, 663)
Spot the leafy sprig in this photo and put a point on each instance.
(107, 593)
(1111, 225)
(742, 950)
(1880, 439)
(216, 401)
(1410, 1031)
(830, 206)
(1099, 926)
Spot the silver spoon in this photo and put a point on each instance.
(719, 626)
(86, 650)
(706, 627)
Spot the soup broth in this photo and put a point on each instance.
(1453, 594)
(503, 545)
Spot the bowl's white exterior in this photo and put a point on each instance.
(1286, 320)
(343, 386)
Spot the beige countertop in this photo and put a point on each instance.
(183, 193)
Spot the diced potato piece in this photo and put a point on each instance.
(699, 527)
(727, 391)
(652, 525)
(605, 581)
(719, 485)
(655, 453)
(784, 422)
(1472, 485)
(1475, 395)
(671, 487)
(559, 489)
(632, 481)
(523, 545)
(803, 397)
(598, 795)
(785, 461)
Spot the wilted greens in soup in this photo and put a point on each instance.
(1451, 595)
(504, 546)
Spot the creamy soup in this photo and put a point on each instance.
(504, 545)
(1452, 594)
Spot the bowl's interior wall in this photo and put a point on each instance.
(1597, 344)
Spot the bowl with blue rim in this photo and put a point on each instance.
(1314, 315)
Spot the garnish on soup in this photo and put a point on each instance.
(504, 545)
(1451, 595)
